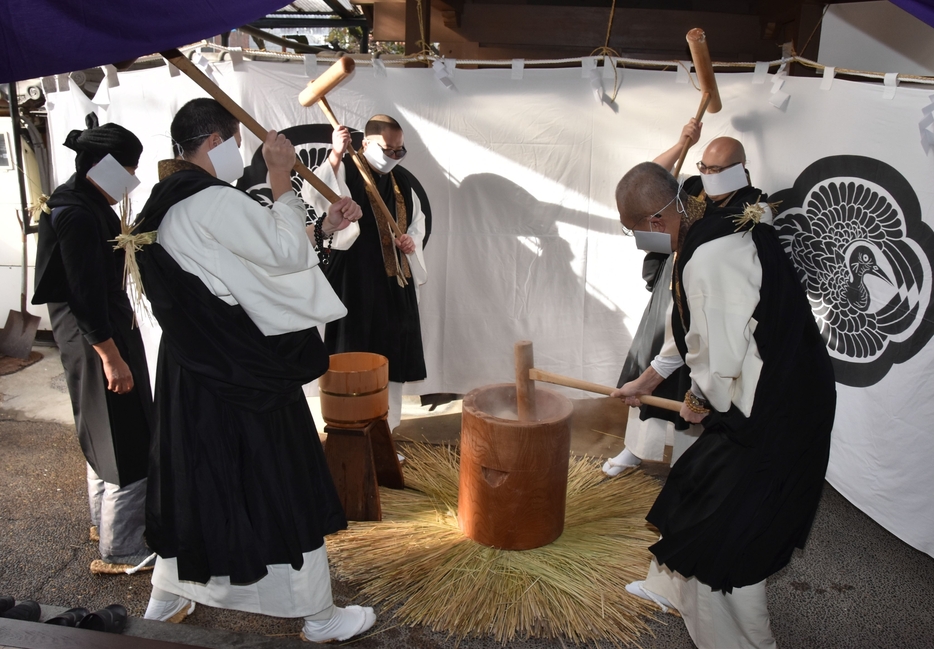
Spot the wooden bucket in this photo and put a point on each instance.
(513, 474)
(355, 389)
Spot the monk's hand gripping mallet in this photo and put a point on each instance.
(526, 374)
(315, 93)
(710, 96)
(181, 62)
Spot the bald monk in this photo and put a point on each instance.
(722, 167)
(653, 365)
(743, 496)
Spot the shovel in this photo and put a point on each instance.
(18, 335)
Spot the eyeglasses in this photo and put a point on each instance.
(656, 215)
(713, 169)
(395, 154)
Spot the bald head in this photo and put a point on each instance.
(723, 152)
(644, 190)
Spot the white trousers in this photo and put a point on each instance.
(395, 404)
(739, 620)
(283, 592)
(647, 439)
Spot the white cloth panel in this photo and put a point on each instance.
(526, 243)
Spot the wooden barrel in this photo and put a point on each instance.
(355, 389)
(513, 474)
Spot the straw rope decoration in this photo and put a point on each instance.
(41, 207)
(131, 243)
(417, 564)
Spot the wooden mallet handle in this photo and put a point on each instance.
(710, 98)
(697, 42)
(181, 62)
(525, 386)
(321, 86)
(315, 93)
(705, 99)
(362, 168)
(568, 382)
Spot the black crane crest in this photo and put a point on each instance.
(853, 229)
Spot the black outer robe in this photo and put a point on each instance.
(744, 495)
(80, 276)
(238, 478)
(650, 334)
(382, 317)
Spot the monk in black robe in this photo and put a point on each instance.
(79, 275)
(647, 369)
(744, 495)
(374, 272)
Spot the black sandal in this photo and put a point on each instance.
(26, 610)
(111, 619)
(71, 617)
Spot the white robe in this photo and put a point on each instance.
(253, 256)
(646, 438)
(721, 284)
(283, 592)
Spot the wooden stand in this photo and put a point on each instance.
(361, 460)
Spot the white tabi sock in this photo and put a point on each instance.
(167, 607)
(637, 588)
(616, 465)
(343, 625)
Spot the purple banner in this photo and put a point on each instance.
(45, 37)
(920, 9)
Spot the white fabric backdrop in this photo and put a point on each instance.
(526, 241)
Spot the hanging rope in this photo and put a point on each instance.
(610, 56)
(424, 54)
(428, 56)
(609, 26)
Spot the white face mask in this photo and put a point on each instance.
(377, 159)
(113, 178)
(228, 165)
(653, 241)
(728, 180)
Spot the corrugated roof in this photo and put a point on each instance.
(314, 7)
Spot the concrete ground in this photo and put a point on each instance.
(854, 586)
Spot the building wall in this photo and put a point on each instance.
(11, 245)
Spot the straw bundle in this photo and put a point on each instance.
(418, 562)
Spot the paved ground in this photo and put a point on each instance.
(854, 586)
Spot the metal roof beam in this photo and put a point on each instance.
(301, 48)
(285, 23)
(340, 9)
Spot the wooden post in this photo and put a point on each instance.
(416, 25)
(525, 387)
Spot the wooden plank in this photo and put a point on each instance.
(558, 28)
(36, 635)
